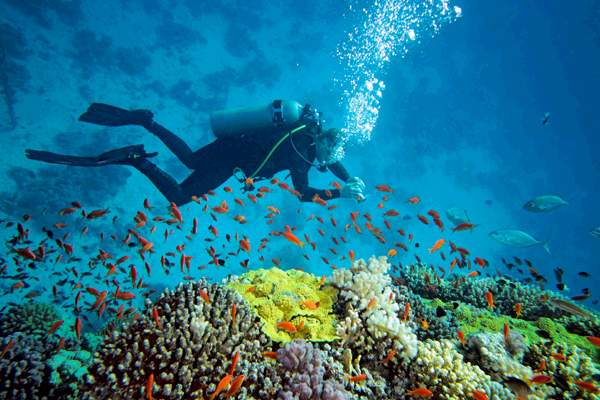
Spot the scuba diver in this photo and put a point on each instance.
(283, 135)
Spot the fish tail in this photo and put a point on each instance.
(546, 246)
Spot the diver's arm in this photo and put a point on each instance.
(300, 181)
(338, 170)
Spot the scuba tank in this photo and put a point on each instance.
(280, 114)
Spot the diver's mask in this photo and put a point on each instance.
(328, 147)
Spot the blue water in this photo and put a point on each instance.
(459, 126)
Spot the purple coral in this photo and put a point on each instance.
(304, 374)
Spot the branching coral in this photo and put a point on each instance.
(32, 319)
(441, 369)
(575, 366)
(506, 293)
(25, 372)
(371, 324)
(304, 374)
(187, 344)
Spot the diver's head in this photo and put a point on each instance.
(329, 146)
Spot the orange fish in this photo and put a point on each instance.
(174, 211)
(78, 328)
(149, 384)
(461, 337)
(287, 326)
(371, 303)
(236, 385)
(156, 317)
(436, 246)
(406, 312)
(391, 213)
(540, 379)
(473, 274)
(489, 297)
(392, 252)
(270, 354)
(506, 332)
(357, 378)
(463, 227)
(351, 255)
(594, 340)
(8, 346)
(518, 310)
(233, 312)
(221, 208)
(292, 238)
(587, 386)
(479, 395)
(424, 324)
(55, 326)
(221, 386)
(234, 361)
(389, 357)
(311, 305)
(384, 188)
(204, 295)
(423, 219)
(420, 392)
(542, 366)
(559, 357)
(245, 244)
(414, 200)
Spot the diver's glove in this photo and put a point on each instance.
(353, 189)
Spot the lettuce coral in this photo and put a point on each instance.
(290, 296)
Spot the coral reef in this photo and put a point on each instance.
(441, 369)
(304, 373)
(506, 293)
(187, 343)
(371, 325)
(576, 366)
(26, 373)
(31, 319)
(291, 296)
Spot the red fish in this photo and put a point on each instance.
(465, 226)
(156, 317)
(149, 385)
(55, 326)
(78, 328)
(420, 392)
(489, 298)
(8, 346)
(423, 219)
(384, 188)
(540, 379)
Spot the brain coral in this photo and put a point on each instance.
(187, 344)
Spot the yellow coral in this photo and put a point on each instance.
(278, 296)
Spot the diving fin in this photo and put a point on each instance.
(107, 115)
(127, 155)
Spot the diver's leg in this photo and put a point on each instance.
(164, 182)
(198, 183)
(121, 156)
(181, 150)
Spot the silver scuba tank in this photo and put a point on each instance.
(238, 121)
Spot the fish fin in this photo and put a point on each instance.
(547, 247)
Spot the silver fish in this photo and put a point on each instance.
(457, 215)
(544, 203)
(516, 238)
(595, 232)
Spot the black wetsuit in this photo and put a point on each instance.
(214, 163)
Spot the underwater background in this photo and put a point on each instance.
(484, 106)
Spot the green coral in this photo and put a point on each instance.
(473, 320)
(69, 366)
(32, 319)
(286, 296)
